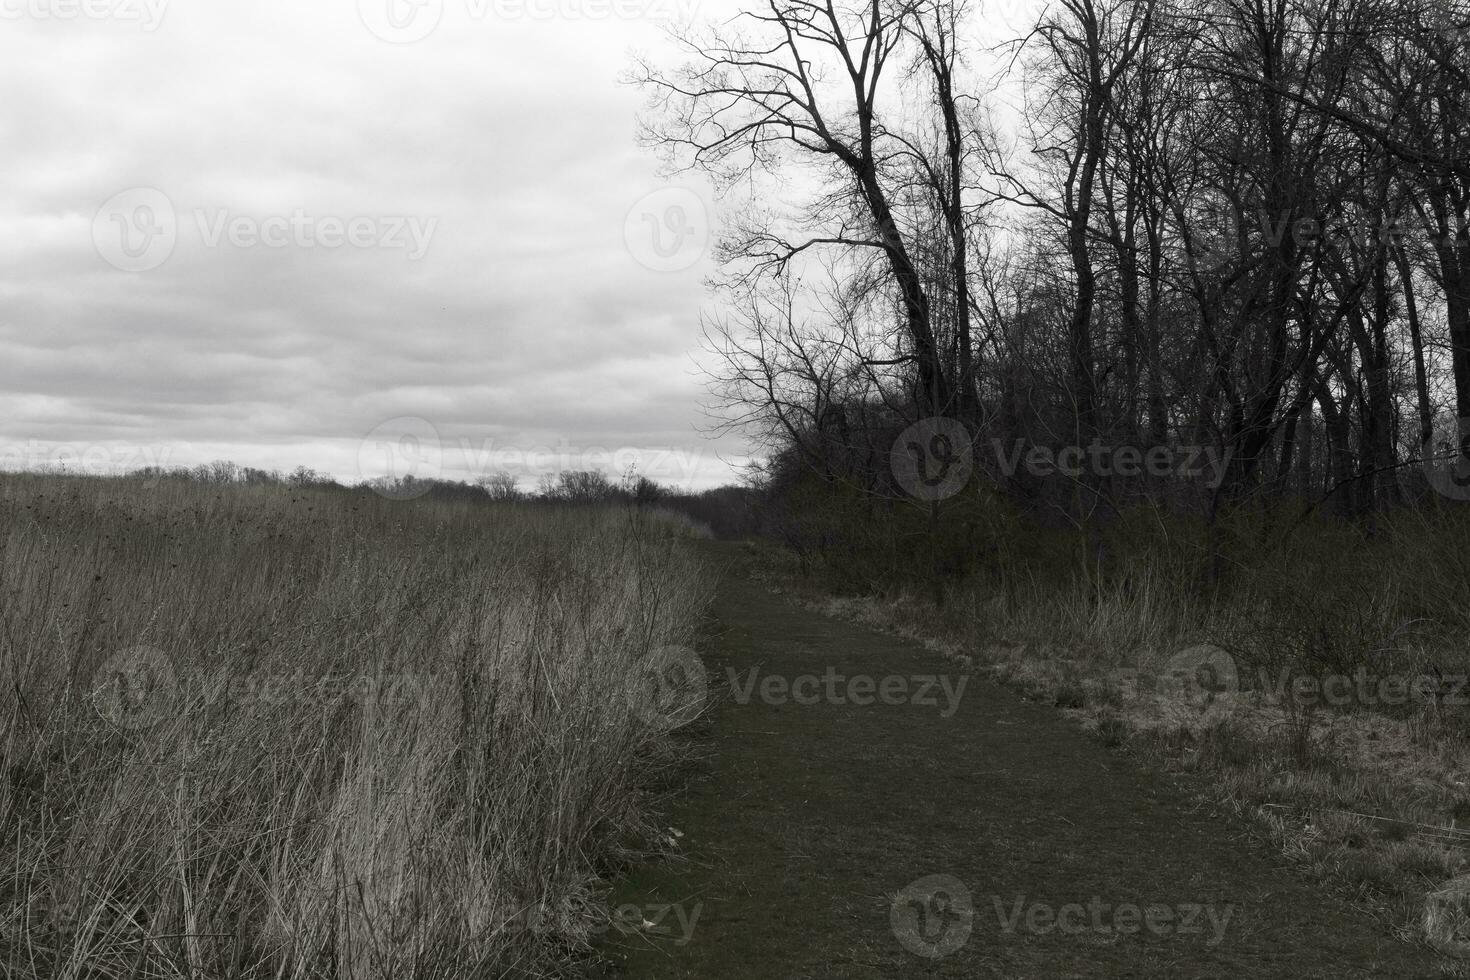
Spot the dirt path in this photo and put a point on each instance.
(810, 818)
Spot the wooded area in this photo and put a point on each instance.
(1231, 230)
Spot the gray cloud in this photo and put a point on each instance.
(526, 323)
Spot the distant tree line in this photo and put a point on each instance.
(725, 511)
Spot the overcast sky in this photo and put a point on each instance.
(286, 232)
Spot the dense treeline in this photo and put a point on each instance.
(1220, 248)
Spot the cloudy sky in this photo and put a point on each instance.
(360, 235)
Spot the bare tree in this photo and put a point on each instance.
(810, 84)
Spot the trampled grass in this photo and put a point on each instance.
(264, 732)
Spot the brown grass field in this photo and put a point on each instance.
(272, 732)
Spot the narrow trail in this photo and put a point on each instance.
(808, 819)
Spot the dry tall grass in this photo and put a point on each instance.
(263, 732)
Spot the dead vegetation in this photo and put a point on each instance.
(265, 731)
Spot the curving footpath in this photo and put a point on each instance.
(868, 812)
